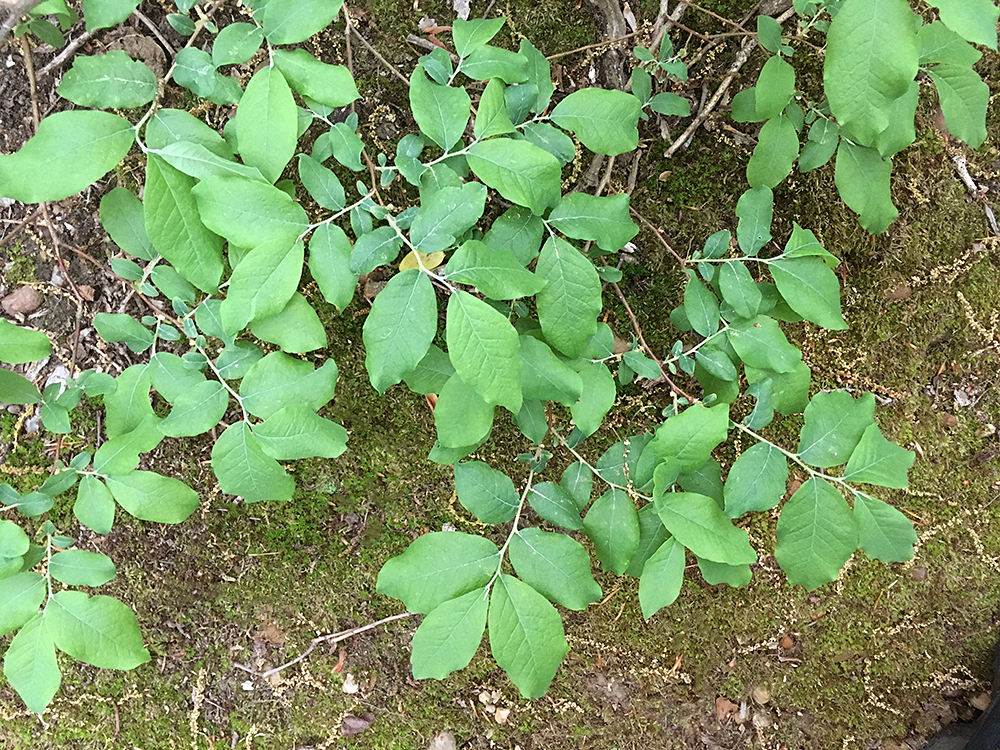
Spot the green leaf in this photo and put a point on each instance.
(651, 536)
(330, 265)
(100, 14)
(526, 635)
(604, 220)
(555, 504)
(569, 303)
(199, 162)
(555, 565)
(473, 34)
(236, 44)
(128, 405)
(789, 391)
(121, 215)
(294, 21)
(756, 481)
(544, 376)
(769, 33)
(77, 567)
(539, 75)
(321, 183)
(697, 522)
(19, 345)
(374, 249)
(811, 289)
(871, 59)
(171, 377)
(244, 469)
(817, 533)
(30, 665)
(901, 132)
(98, 630)
(670, 104)
(604, 121)
(196, 410)
(491, 118)
(70, 151)
(110, 81)
(175, 228)
(705, 480)
(740, 291)
(237, 359)
(437, 567)
(598, 396)
(775, 153)
(517, 230)
(120, 327)
(883, 532)
(803, 244)
(755, 210)
(642, 365)
(975, 20)
(662, 576)
(13, 541)
(497, 273)
(345, 146)
(446, 215)
(22, 594)
(964, 97)
(579, 482)
(296, 431)
(761, 343)
(691, 436)
(612, 523)
(483, 347)
(715, 573)
(449, 636)
(774, 89)
(824, 135)
(441, 112)
(744, 106)
(461, 417)
(16, 389)
(716, 362)
(296, 329)
(120, 454)
(485, 492)
(193, 69)
(278, 380)
(431, 374)
(262, 283)
(939, 44)
(876, 460)
(94, 506)
(331, 85)
(493, 62)
(399, 328)
(151, 497)
(551, 139)
(266, 121)
(520, 171)
(834, 425)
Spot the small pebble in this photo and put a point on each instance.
(919, 574)
(21, 301)
(787, 642)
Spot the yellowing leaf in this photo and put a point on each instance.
(428, 261)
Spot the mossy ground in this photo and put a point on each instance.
(851, 665)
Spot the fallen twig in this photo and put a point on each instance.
(332, 637)
(67, 52)
(659, 236)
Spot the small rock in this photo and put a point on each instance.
(356, 724)
(248, 685)
(350, 685)
(443, 741)
(981, 702)
(761, 720)
(501, 715)
(21, 301)
(919, 574)
(760, 695)
(15, 409)
(787, 642)
(950, 421)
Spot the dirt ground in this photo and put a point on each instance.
(880, 659)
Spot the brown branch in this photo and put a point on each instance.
(67, 52)
(375, 52)
(659, 236)
(585, 47)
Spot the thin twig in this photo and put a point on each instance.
(156, 32)
(585, 47)
(66, 53)
(20, 225)
(606, 178)
(659, 235)
(664, 21)
(334, 637)
(419, 41)
(741, 58)
(378, 56)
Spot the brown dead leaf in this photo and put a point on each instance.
(724, 708)
(356, 724)
(273, 634)
(949, 421)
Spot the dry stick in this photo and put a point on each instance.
(659, 236)
(378, 56)
(156, 32)
(664, 21)
(426, 44)
(20, 225)
(350, 67)
(739, 62)
(67, 52)
(333, 637)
